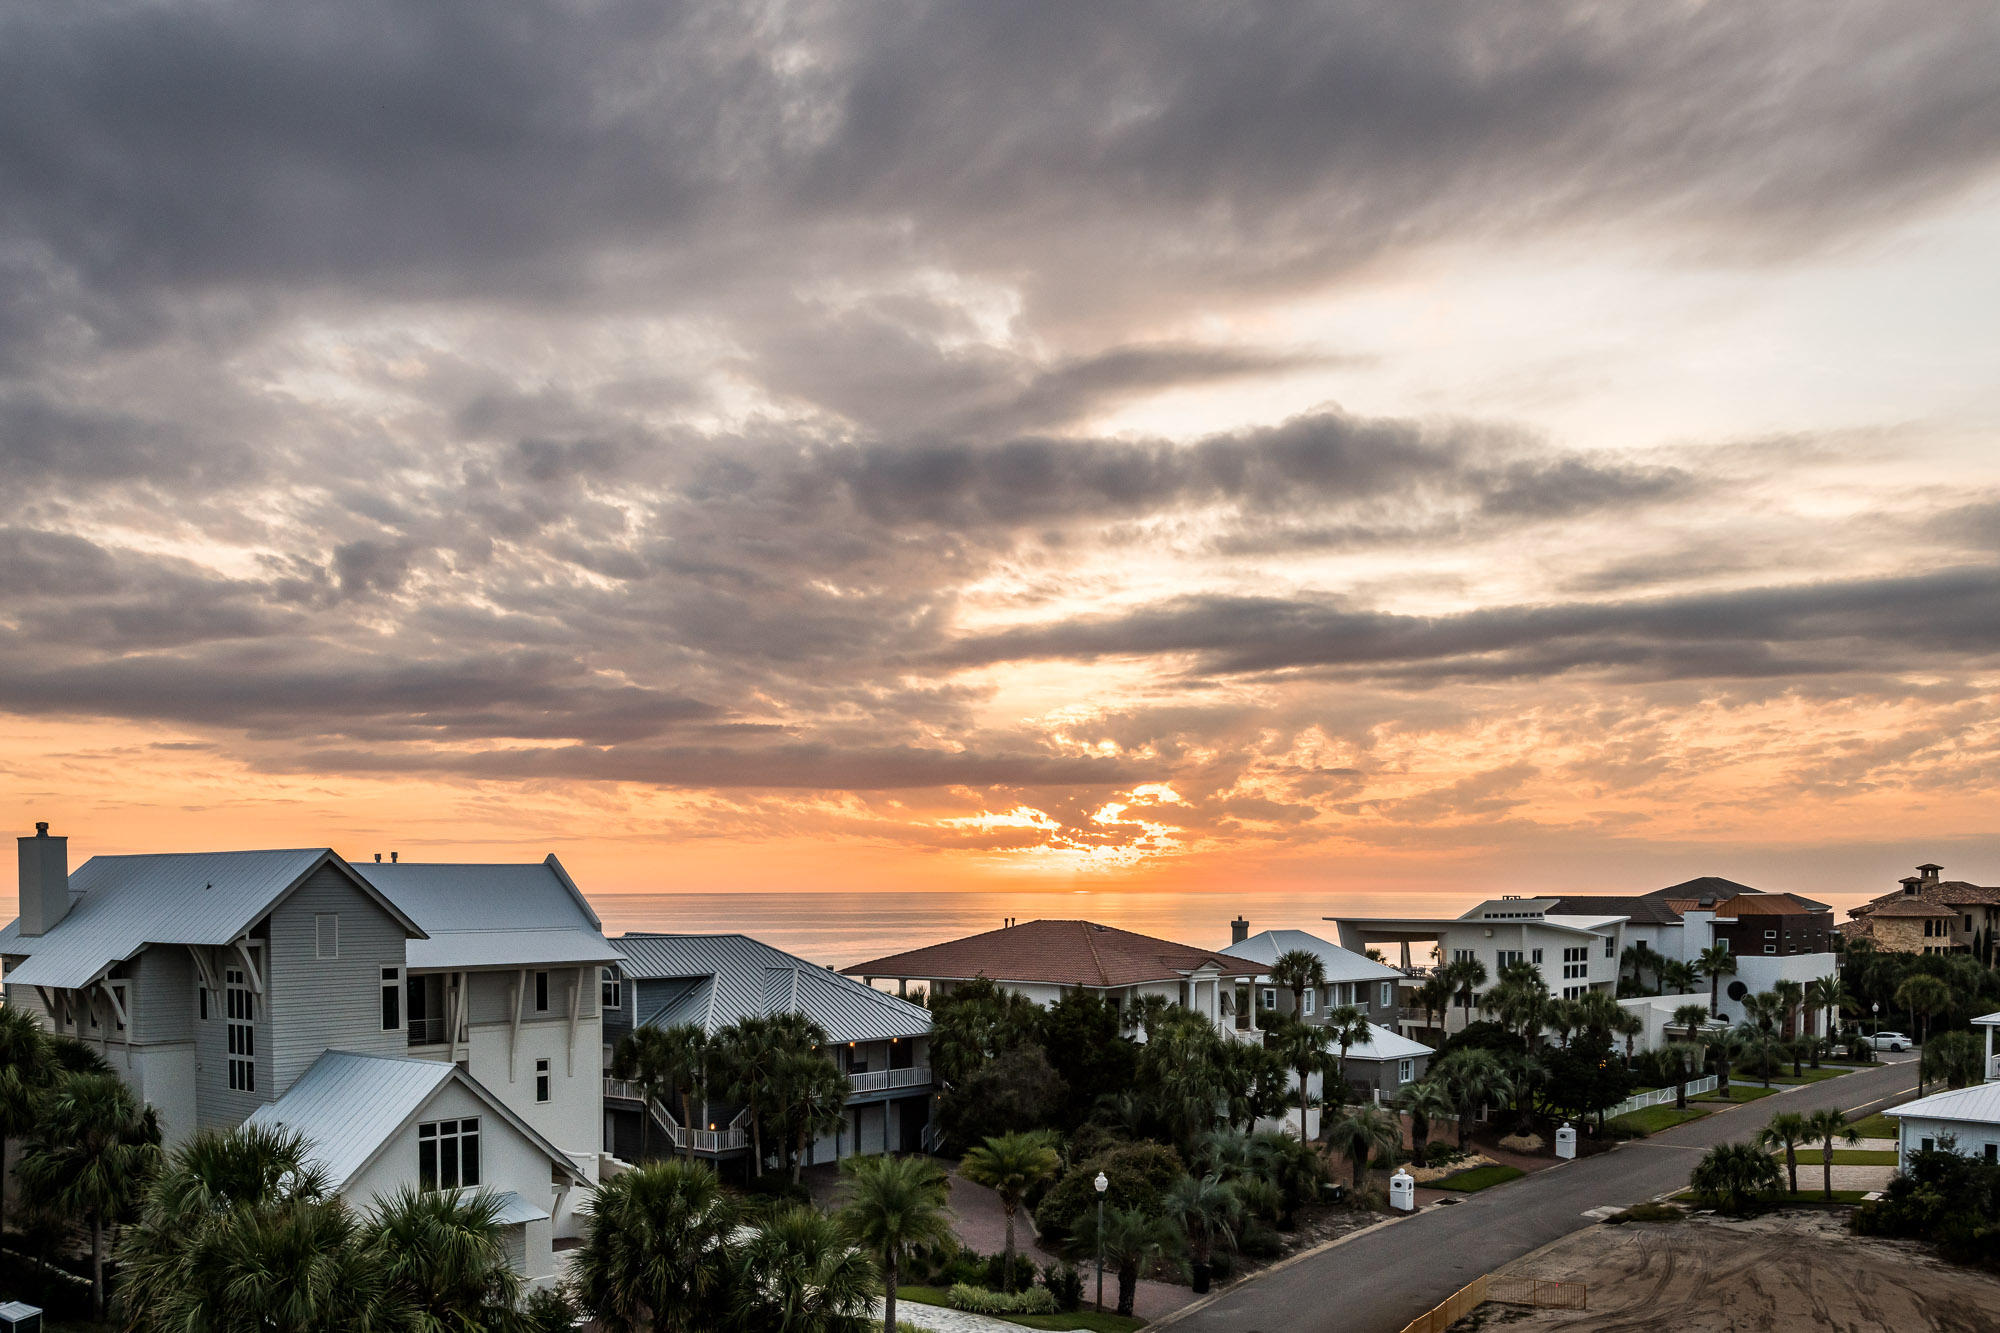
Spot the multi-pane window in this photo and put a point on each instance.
(392, 998)
(1388, 993)
(1403, 1070)
(1509, 957)
(1268, 998)
(611, 990)
(1576, 962)
(1311, 1001)
(1536, 957)
(541, 992)
(239, 1008)
(541, 1080)
(448, 1154)
(1574, 992)
(1461, 955)
(1610, 947)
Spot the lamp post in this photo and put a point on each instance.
(1103, 1183)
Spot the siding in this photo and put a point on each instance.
(161, 993)
(321, 1004)
(216, 1106)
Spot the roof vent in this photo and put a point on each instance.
(378, 858)
(392, 857)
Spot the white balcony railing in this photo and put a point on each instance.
(712, 1140)
(881, 1080)
(618, 1087)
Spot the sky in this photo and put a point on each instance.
(1349, 448)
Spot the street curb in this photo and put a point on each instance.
(1282, 1264)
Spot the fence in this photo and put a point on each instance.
(1660, 1096)
(1508, 1289)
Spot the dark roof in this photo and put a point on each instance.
(1647, 910)
(1767, 904)
(1066, 953)
(1704, 893)
(1910, 907)
(1950, 892)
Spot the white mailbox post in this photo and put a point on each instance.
(1566, 1141)
(1403, 1191)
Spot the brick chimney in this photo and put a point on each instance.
(1239, 930)
(44, 881)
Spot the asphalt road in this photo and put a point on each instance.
(1379, 1281)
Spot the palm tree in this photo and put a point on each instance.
(1764, 1010)
(1786, 1129)
(1677, 977)
(1954, 1057)
(1522, 1003)
(648, 1059)
(685, 1058)
(813, 1095)
(1474, 1078)
(1923, 996)
(1822, 994)
(1733, 1175)
(1303, 1047)
(1793, 995)
(26, 1066)
(297, 1266)
(1825, 1126)
(750, 1049)
(1727, 1045)
(1011, 1165)
(1692, 1017)
(1764, 1045)
(92, 1153)
(894, 1204)
(1349, 1027)
(1426, 1100)
(1131, 1241)
(1362, 1132)
(442, 1255)
(1716, 962)
(656, 1253)
(800, 1274)
(1467, 976)
(1641, 958)
(1434, 996)
(1687, 1057)
(1206, 1211)
(1298, 970)
(1627, 1025)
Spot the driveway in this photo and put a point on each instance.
(1383, 1278)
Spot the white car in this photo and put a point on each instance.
(1890, 1041)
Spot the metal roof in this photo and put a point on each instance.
(733, 976)
(1979, 1103)
(348, 1106)
(492, 915)
(1341, 964)
(121, 904)
(513, 1208)
(1382, 1044)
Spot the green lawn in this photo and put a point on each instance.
(1812, 1076)
(1738, 1092)
(1653, 1119)
(1479, 1178)
(1090, 1319)
(1855, 1157)
(1877, 1126)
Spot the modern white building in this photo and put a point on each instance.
(229, 985)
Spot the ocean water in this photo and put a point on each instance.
(839, 929)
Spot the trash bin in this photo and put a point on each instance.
(1566, 1141)
(1403, 1191)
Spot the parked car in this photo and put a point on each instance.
(1890, 1041)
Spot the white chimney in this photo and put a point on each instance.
(44, 881)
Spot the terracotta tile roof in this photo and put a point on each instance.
(1767, 904)
(1910, 907)
(1951, 891)
(1859, 928)
(1065, 953)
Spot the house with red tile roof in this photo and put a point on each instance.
(1931, 914)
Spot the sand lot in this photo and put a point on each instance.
(1792, 1271)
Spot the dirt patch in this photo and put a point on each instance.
(1784, 1273)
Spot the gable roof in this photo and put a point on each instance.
(1341, 964)
(1766, 904)
(1062, 953)
(1979, 1103)
(1382, 1044)
(348, 1106)
(713, 980)
(492, 914)
(121, 904)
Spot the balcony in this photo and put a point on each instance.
(618, 1087)
(883, 1080)
(426, 1032)
(712, 1140)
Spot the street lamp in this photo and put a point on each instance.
(1103, 1183)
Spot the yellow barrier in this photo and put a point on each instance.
(1508, 1289)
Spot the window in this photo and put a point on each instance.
(541, 1080)
(392, 998)
(1268, 998)
(1573, 992)
(326, 935)
(1722, 943)
(1403, 1071)
(1461, 955)
(541, 992)
(1993, 1152)
(1311, 999)
(202, 991)
(1770, 934)
(1610, 947)
(1344, 993)
(448, 1154)
(1576, 962)
(1388, 993)
(1926, 1145)
(1770, 948)
(1508, 957)
(1536, 957)
(242, 1033)
(610, 989)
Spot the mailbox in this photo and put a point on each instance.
(1566, 1141)
(1403, 1191)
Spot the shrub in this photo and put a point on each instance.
(1736, 1176)
(1140, 1173)
(995, 1272)
(1065, 1284)
(1437, 1153)
(978, 1300)
(1221, 1265)
(1259, 1241)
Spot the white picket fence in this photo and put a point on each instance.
(1660, 1096)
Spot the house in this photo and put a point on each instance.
(1046, 960)
(1931, 914)
(216, 982)
(1574, 952)
(1966, 1120)
(880, 1042)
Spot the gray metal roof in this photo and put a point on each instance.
(120, 904)
(348, 1105)
(1979, 1103)
(514, 1210)
(492, 915)
(734, 976)
(1341, 964)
